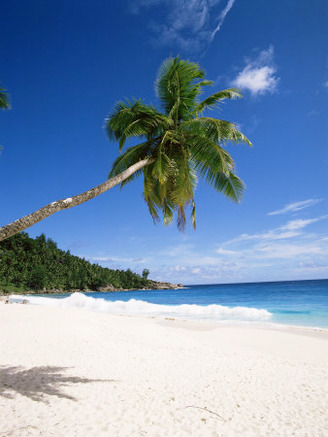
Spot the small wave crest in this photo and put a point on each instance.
(139, 307)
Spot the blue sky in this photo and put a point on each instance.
(66, 63)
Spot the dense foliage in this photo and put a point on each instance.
(37, 264)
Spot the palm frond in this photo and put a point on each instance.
(161, 166)
(181, 219)
(176, 87)
(216, 98)
(227, 183)
(168, 213)
(217, 130)
(207, 154)
(173, 191)
(4, 99)
(204, 83)
(135, 119)
(193, 214)
(151, 194)
(184, 179)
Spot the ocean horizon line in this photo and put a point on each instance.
(254, 282)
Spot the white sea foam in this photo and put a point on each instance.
(139, 307)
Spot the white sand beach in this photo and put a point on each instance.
(71, 372)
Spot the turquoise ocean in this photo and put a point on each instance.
(297, 303)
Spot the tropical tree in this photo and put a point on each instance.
(145, 274)
(176, 145)
(4, 99)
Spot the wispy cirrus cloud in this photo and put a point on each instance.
(115, 259)
(258, 76)
(296, 206)
(222, 17)
(189, 24)
(188, 274)
(291, 229)
(285, 242)
(311, 267)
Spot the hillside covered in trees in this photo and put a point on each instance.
(37, 264)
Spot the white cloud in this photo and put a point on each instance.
(312, 267)
(290, 230)
(256, 80)
(115, 259)
(296, 206)
(222, 17)
(301, 223)
(259, 75)
(287, 250)
(326, 84)
(179, 268)
(190, 24)
(222, 251)
(180, 250)
(288, 241)
(194, 273)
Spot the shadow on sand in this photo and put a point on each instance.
(37, 382)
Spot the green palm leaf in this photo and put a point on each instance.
(135, 119)
(130, 157)
(216, 98)
(4, 99)
(229, 184)
(218, 130)
(176, 87)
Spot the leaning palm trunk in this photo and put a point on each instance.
(44, 212)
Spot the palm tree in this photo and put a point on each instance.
(4, 99)
(177, 145)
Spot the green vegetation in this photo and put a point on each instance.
(4, 99)
(145, 273)
(37, 264)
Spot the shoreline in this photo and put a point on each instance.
(195, 324)
(215, 323)
(154, 285)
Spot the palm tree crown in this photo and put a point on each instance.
(180, 143)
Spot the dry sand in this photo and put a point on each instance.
(70, 372)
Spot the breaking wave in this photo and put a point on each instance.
(139, 307)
